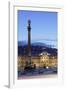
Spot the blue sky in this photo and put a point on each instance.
(43, 26)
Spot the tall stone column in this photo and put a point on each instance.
(29, 41)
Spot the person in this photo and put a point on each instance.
(34, 66)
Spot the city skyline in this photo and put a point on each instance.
(43, 26)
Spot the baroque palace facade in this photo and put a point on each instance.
(42, 60)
